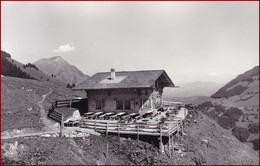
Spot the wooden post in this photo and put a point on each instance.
(169, 140)
(178, 134)
(107, 130)
(95, 125)
(107, 148)
(61, 126)
(118, 127)
(161, 143)
(137, 131)
(181, 128)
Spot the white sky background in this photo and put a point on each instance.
(192, 41)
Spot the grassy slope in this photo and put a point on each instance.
(223, 147)
(19, 97)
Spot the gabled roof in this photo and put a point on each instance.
(126, 79)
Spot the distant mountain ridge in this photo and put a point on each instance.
(61, 69)
(238, 85)
(190, 89)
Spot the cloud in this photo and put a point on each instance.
(212, 74)
(65, 48)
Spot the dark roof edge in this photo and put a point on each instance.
(128, 71)
(164, 72)
(112, 88)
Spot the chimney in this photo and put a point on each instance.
(113, 74)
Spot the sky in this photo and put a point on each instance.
(191, 41)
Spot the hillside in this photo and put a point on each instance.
(236, 107)
(24, 116)
(61, 70)
(13, 68)
(10, 69)
(191, 89)
(19, 98)
(239, 85)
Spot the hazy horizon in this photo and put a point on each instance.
(192, 41)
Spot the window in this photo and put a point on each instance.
(98, 104)
(119, 104)
(127, 105)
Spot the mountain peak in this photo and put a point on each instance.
(61, 69)
(56, 59)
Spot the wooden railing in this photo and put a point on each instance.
(172, 104)
(109, 126)
(59, 104)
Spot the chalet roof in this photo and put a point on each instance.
(126, 79)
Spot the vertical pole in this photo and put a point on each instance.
(70, 102)
(181, 127)
(118, 126)
(137, 131)
(107, 130)
(107, 148)
(178, 130)
(169, 140)
(161, 143)
(172, 141)
(118, 129)
(61, 126)
(95, 126)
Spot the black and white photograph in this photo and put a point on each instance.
(129, 82)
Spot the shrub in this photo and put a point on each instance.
(70, 86)
(204, 105)
(233, 113)
(256, 144)
(219, 108)
(240, 133)
(226, 122)
(253, 128)
(30, 65)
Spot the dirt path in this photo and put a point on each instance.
(49, 126)
(28, 134)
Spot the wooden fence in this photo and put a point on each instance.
(160, 129)
(58, 117)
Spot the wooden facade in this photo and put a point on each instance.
(127, 100)
(126, 91)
